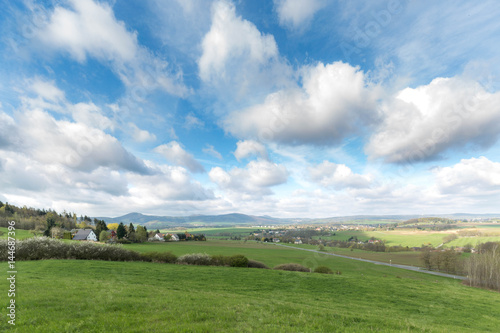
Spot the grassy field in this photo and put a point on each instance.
(269, 254)
(261, 251)
(410, 258)
(96, 296)
(408, 238)
(474, 241)
(20, 234)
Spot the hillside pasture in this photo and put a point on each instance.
(98, 296)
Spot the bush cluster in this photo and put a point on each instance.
(162, 257)
(256, 264)
(323, 270)
(237, 260)
(38, 248)
(292, 267)
(195, 259)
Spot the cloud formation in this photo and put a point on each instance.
(255, 179)
(90, 29)
(238, 62)
(210, 150)
(296, 13)
(337, 176)
(423, 123)
(175, 154)
(75, 145)
(474, 176)
(335, 101)
(250, 148)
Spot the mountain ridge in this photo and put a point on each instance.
(234, 219)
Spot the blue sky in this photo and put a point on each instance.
(288, 108)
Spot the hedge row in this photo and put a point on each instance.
(38, 248)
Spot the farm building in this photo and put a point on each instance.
(85, 235)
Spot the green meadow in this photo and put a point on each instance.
(410, 238)
(104, 296)
(99, 296)
(20, 233)
(267, 253)
(474, 241)
(411, 258)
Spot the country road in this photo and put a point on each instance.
(410, 268)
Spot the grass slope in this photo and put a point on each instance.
(20, 233)
(411, 258)
(96, 296)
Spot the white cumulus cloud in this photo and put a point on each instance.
(140, 135)
(239, 62)
(424, 122)
(250, 148)
(175, 154)
(90, 29)
(296, 13)
(335, 101)
(474, 176)
(338, 176)
(255, 179)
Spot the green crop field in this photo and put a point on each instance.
(98, 296)
(474, 241)
(394, 237)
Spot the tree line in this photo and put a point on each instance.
(483, 267)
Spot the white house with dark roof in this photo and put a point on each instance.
(159, 237)
(85, 235)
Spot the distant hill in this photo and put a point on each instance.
(160, 222)
(235, 219)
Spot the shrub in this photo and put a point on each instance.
(256, 264)
(38, 248)
(220, 260)
(238, 260)
(164, 257)
(292, 267)
(195, 259)
(323, 270)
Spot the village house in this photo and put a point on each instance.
(85, 235)
(159, 237)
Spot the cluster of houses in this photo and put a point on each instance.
(89, 235)
(163, 237)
